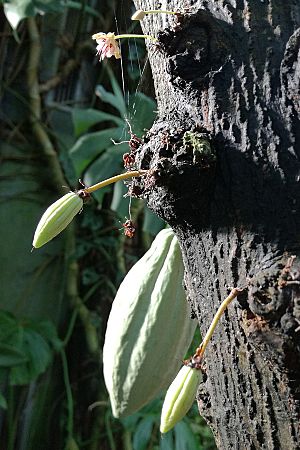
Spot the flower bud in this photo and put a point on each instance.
(56, 218)
(138, 15)
(179, 397)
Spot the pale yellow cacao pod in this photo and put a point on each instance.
(179, 397)
(56, 218)
(138, 15)
(149, 328)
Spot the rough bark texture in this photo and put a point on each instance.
(229, 74)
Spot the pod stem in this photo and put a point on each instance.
(138, 36)
(160, 11)
(201, 349)
(122, 176)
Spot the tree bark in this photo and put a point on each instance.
(225, 149)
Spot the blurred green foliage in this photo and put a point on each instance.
(55, 302)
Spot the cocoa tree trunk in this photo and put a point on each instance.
(226, 149)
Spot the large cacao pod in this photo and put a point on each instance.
(149, 328)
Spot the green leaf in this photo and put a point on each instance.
(8, 325)
(106, 166)
(83, 119)
(111, 99)
(166, 442)
(16, 10)
(10, 356)
(142, 433)
(142, 112)
(25, 347)
(39, 356)
(49, 332)
(152, 223)
(22, 196)
(130, 422)
(86, 8)
(184, 437)
(119, 203)
(117, 91)
(3, 402)
(91, 145)
(38, 350)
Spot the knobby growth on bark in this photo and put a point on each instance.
(225, 149)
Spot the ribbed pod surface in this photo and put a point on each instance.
(56, 218)
(149, 328)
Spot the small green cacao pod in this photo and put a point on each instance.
(179, 397)
(149, 328)
(138, 15)
(56, 218)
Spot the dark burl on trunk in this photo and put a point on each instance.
(226, 149)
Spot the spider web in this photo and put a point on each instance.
(142, 65)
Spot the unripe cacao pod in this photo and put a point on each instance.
(138, 15)
(179, 397)
(56, 218)
(149, 328)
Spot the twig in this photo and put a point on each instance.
(67, 68)
(122, 176)
(201, 349)
(35, 103)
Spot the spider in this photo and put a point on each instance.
(129, 228)
(128, 160)
(133, 143)
(82, 193)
